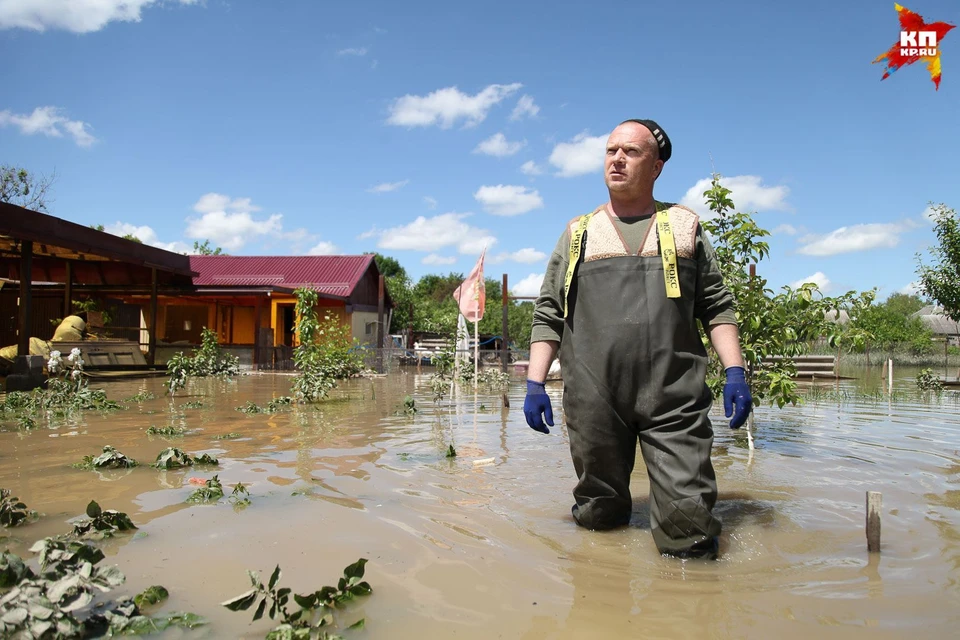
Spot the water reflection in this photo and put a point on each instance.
(464, 546)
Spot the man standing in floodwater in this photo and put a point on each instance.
(620, 299)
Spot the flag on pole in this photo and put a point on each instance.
(472, 294)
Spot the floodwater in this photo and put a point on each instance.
(483, 546)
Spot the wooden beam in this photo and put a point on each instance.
(256, 334)
(26, 300)
(68, 289)
(152, 344)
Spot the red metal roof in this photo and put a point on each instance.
(329, 275)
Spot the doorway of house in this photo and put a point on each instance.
(287, 321)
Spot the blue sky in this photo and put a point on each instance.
(426, 130)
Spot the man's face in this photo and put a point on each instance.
(632, 162)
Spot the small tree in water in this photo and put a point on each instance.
(942, 281)
(770, 325)
(325, 351)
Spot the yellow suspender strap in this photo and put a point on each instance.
(576, 247)
(668, 253)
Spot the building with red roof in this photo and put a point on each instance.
(250, 299)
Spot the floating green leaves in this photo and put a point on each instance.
(271, 407)
(13, 512)
(299, 623)
(12, 570)
(45, 606)
(151, 596)
(228, 436)
(109, 459)
(55, 603)
(101, 524)
(168, 431)
(451, 452)
(119, 623)
(209, 493)
(240, 497)
(173, 458)
(409, 406)
(141, 396)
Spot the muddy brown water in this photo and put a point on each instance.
(458, 549)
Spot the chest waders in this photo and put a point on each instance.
(634, 367)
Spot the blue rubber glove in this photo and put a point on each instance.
(736, 397)
(536, 406)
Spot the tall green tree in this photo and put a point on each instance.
(387, 266)
(903, 304)
(24, 188)
(941, 281)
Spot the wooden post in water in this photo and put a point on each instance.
(890, 376)
(380, 303)
(874, 504)
(504, 349)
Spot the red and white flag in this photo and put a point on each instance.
(472, 294)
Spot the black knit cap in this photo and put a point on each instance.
(666, 149)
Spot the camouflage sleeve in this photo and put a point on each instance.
(548, 309)
(714, 303)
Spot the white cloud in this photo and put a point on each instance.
(435, 259)
(748, 194)
(431, 234)
(819, 279)
(228, 223)
(529, 286)
(473, 245)
(444, 107)
(785, 229)
(211, 202)
(525, 256)
(525, 107)
(929, 214)
(368, 234)
(49, 121)
(78, 16)
(531, 168)
(859, 237)
(508, 200)
(386, 187)
(913, 288)
(323, 248)
(360, 51)
(580, 156)
(145, 234)
(431, 202)
(498, 145)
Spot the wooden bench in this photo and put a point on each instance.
(809, 366)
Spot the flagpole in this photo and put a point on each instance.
(476, 353)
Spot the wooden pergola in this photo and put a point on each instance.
(36, 247)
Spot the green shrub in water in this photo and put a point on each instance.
(209, 360)
(325, 353)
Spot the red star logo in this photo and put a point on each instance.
(913, 22)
